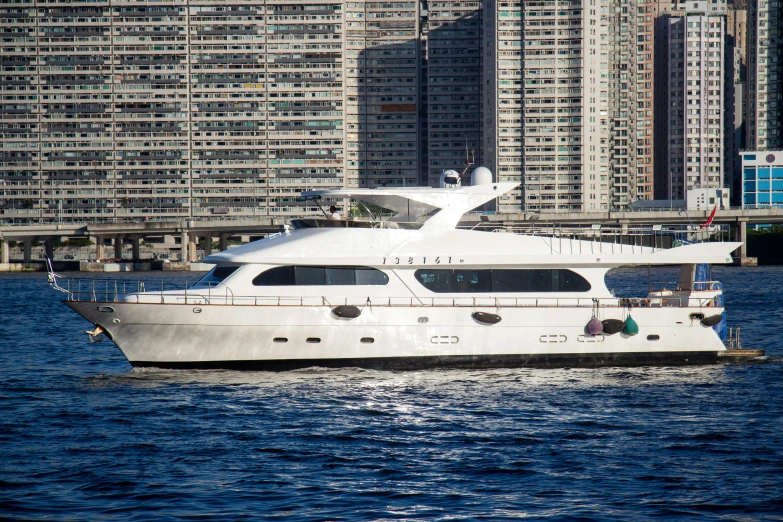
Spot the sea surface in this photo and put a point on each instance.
(83, 436)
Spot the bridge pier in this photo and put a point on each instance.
(4, 256)
(188, 246)
(192, 244)
(27, 250)
(208, 245)
(223, 242)
(136, 248)
(118, 246)
(183, 246)
(99, 248)
(741, 254)
(49, 248)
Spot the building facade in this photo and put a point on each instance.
(130, 110)
(764, 88)
(631, 103)
(547, 69)
(694, 43)
(762, 178)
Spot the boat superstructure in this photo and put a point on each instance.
(414, 291)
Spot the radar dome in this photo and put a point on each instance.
(450, 179)
(481, 176)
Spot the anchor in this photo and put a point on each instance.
(96, 335)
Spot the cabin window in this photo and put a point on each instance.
(502, 280)
(472, 281)
(320, 276)
(218, 274)
(340, 275)
(278, 276)
(438, 281)
(309, 275)
(369, 276)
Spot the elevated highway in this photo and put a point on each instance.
(191, 231)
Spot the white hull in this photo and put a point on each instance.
(225, 336)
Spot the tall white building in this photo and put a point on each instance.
(549, 117)
(631, 103)
(764, 91)
(694, 41)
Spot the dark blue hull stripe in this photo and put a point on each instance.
(576, 360)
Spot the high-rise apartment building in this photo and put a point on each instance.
(169, 109)
(452, 56)
(382, 89)
(631, 105)
(764, 87)
(548, 71)
(694, 42)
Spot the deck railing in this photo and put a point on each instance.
(141, 292)
(611, 239)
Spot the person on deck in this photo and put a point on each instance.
(334, 214)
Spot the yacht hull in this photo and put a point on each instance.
(394, 337)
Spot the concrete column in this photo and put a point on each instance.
(223, 244)
(192, 244)
(4, 257)
(118, 246)
(49, 248)
(743, 236)
(99, 253)
(28, 250)
(207, 245)
(136, 246)
(184, 239)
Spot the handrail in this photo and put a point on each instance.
(138, 292)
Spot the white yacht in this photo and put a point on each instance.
(414, 291)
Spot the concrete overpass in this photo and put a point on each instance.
(191, 231)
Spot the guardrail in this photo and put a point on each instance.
(141, 292)
(613, 239)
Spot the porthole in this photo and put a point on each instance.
(107, 309)
(367, 340)
(653, 337)
(197, 310)
(280, 339)
(313, 340)
(423, 320)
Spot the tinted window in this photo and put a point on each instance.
(340, 275)
(309, 275)
(320, 275)
(573, 282)
(218, 274)
(435, 280)
(278, 276)
(370, 276)
(502, 280)
(472, 281)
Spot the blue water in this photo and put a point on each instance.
(83, 436)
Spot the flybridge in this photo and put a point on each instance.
(438, 208)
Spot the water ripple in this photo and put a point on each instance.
(83, 436)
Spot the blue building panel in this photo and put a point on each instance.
(762, 179)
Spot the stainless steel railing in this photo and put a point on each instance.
(145, 292)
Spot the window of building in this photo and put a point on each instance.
(320, 276)
(501, 280)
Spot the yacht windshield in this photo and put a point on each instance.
(217, 275)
